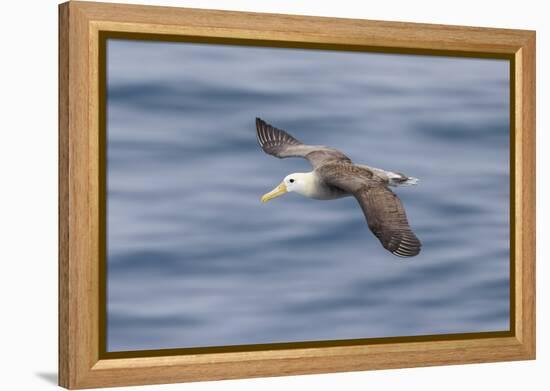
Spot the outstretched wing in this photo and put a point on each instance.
(278, 143)
(387, 219)
(384, 211)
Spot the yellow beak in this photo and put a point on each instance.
(276, 192)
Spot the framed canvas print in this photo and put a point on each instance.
(247, 195)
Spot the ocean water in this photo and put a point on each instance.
(193, 257)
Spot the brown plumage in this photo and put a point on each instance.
(334, 175)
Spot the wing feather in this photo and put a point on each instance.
(276, 142)
(387, 219)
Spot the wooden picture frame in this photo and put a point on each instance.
(82, 360)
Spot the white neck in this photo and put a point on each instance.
(309, 187)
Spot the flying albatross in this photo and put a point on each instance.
(334, 176)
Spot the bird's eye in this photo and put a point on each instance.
(291, 180)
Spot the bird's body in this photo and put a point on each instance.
(335, 176)
(319, 190)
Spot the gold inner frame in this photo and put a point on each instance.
(104, 35)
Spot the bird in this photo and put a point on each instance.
(334, 176)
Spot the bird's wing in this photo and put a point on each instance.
(384, 211)
(278, 143)
(387, 219)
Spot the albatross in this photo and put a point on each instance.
(334, 176)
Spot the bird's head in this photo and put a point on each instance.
(298, 182)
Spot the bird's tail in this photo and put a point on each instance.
(392, 178)
(397, 179)
(411, 181)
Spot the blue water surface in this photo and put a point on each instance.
(193, 257)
